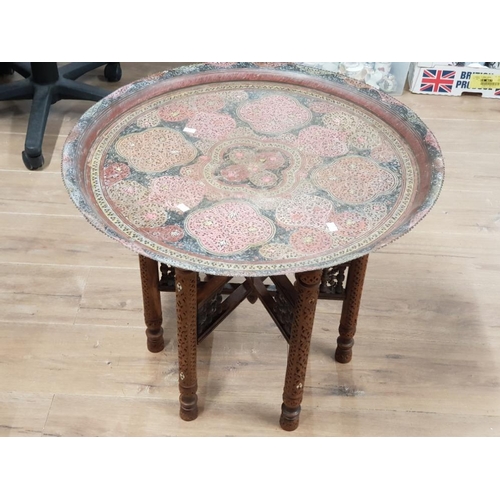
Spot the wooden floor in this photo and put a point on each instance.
(73, 360)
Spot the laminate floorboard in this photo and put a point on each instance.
(73, 357)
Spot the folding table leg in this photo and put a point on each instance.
(307, 286)
(187, 309)
(152, 303)
(350, 309)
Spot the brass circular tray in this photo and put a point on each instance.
(245, 169)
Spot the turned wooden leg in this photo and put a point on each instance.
(152, 303)
(185, 292)
(350, 309)
(307, 286)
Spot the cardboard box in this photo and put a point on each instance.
(447, 79)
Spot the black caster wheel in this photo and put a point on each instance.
(33, 162)
(113, 72)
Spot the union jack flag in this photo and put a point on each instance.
(437, 80)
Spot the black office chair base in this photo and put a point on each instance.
(47, 84)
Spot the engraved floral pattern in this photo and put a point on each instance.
(176, 111)
(278, 251)
(132, 201)
(212, 126)
(304, 211)
(176, 193)
(166, 234)
(310, 241)
(354, 179)
(275, 114)
(323, 107)
(356, 133)
(180, 110)
(235, 95)
(209, 102)
(351, 223)
(382, 152)
(219, 229)
(156, 149)
(322, 141)
(151, 119)
(253, 166)
(115, 172)
(249, 165)
(234, 160)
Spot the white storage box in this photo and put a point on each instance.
(447, 79)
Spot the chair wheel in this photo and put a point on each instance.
(113, 72)
(33, 162)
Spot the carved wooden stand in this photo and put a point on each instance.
(307, 287)
(201, 308)
(350, 309)
(152, 303)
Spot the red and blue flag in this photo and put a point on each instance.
(437, 80)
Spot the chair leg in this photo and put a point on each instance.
(23, 68)
(350, 309)
(68, 89)
(46, 85)
(152, 303)
(72, 71)
(307, 286)
(23, 89)
(40, 108)
(187, 309)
